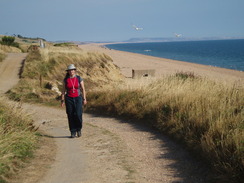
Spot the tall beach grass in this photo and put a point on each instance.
(17, 139)
(2, 55)
(206, 116)
(45, 66)
(10, 49)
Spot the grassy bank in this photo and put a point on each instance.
(4, 49)
(9, 49)
(204, 115)
(17, 139)
(44, 69)
(2, 55)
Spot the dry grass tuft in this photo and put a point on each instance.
(10, 49)
(17, 139)
(205, 115)
(2, 55)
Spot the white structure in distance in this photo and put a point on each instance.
(42, 44)
(137, 28)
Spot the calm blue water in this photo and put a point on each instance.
(220, 53)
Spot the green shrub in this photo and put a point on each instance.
(64, 44)
(185, 75)
(9, 41)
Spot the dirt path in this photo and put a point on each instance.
(9, 71)
(110, 150)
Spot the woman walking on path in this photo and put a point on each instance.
(74, 96)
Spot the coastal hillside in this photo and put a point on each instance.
(44, 69)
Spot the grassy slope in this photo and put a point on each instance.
(48, 65)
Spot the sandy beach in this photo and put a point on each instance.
(127, 61)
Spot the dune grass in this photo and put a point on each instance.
(17, 139)
(206, 116)
(48, 65)
(2, 55)
(10, 49)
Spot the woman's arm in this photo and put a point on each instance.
(62, 95)
(83, 91)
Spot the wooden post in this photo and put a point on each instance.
(40, 80)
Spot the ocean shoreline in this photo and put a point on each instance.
(127, 61)
(216, 53)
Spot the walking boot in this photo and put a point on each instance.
(79, 133)
(72, 135)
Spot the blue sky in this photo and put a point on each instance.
(111, 20)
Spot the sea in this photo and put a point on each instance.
(217, 53)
